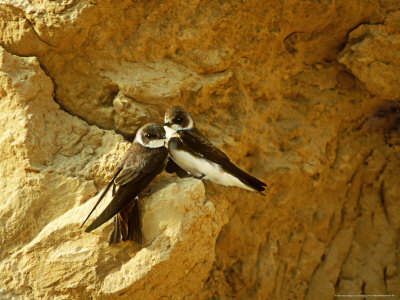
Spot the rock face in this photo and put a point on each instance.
(302, 94)
(379, 69)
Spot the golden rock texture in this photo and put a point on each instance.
(302, 94)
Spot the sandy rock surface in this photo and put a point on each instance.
(302, 94)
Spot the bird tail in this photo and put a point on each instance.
(131, 225)
(248, 179)
(115, 236)
(127, 224)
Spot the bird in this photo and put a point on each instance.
(194, 153)
(145, 158)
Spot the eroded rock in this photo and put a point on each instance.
(180, 229)
(372, 55)
(52, 169)
(269, 83)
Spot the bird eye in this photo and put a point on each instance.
(150, 135)
(177, 120)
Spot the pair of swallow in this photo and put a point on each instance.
(148, 156)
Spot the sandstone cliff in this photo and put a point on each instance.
(303, 94)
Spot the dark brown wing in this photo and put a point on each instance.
(104, 193)
(137, 159)
(149, 163)
(200, 145)
(122, 171)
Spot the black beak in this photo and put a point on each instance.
(167, 124)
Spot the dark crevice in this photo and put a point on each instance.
(331, 220)
(342, 215)
(372, 219)
(354, 41)
(382, 198)
(363, 289)
(322, 261)
(47, 73)
(369, 154)
(359, 123)
(388, 12)
(350, 181)
(285, 267)
(288, 42)
(233, 276)
(337, 283)
(336, 154)
(275, 282)
(112, 92)
(37, 34)
(323, 257)
(55, 90)
(259, 250)
(311, 278)
(358, 202)
(385, 278)
(347, 255)
(44, 69)
(300, 254)
(380, 173)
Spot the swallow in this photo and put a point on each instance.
(144, 159)
(194, 153)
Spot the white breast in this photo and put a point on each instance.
(169, 132)
(197, 166)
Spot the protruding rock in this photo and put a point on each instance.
(180, 229)
(372, 54)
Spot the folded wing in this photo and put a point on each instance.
(200, 145)
(137, 172)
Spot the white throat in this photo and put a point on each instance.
(171, 131)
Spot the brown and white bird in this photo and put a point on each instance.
(193, 152)
(145, 158)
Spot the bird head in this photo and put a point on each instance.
(151, 135)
